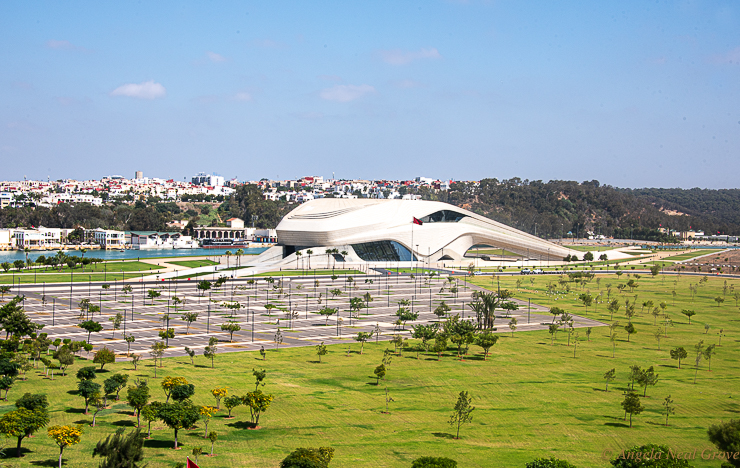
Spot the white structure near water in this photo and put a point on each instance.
(372, 230)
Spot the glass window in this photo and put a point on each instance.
(443, 216)
(383, 251)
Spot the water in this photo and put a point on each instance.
(11, 256)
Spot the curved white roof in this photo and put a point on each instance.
(327, 222)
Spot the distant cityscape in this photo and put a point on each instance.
(96, 192)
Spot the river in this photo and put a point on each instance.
(11, 256)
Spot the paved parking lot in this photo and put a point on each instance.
(297, 301)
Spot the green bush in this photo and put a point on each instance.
(433, 462)
(549, 463)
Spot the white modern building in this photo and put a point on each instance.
(109, 239)
(146, 240)
(402, 230)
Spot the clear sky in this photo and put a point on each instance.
(633, 94)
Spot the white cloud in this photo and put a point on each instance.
(146, 90)
(401, 57)
(242, 96)
(346, 93)
(732, 56)
(214, 57)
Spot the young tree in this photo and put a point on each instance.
(321, 350)
(719, 300)
(669, 408)
(258, 403)
(114, 384)
(219, 393)
(512, 326)
(632, 405)
(103, 357)
(609, 376)
(442, 310)
(362, 337)
(679, 353)
(259, 376)
(630, 329)
(552, 329)
(231, 402)
(178, 415)
(191, 353)
(169, 383)
(65, 436)
(206, 413)
(486, 340)
(213, 437)
(699, 350)
(189, 318)
(23, 422)
(440, 345)
(327, 312)
(708, 353)
(379, 373)
(231, 327)
(689, 314)
(646, 378)
(128, 339)
(91, 326)
(203, 286)
(153, 294)
(87, 389)
(137, 397)
(211, 350)
(462, 412)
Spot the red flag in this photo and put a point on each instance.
(417, 221)
(191, 464)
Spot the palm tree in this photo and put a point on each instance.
(239, 254)
(26, 250)
(83, 252)
(297, 256)
(328, 256)
(228, 254)
(309, 252)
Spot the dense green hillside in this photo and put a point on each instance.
(558, 206)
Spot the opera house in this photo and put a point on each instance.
(372, 230)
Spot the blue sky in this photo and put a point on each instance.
(633, 94)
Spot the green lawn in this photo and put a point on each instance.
(101, 267)
(690, 255)
(532, 399)
(193, 263)
(589, 248)
(497, 252)
(310, 272)
(62, 278)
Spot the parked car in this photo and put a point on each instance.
(526, 271)
(537, 271)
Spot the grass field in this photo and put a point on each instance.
(589, 248)
(310, 272)
(62, 278)
(532, 399)
(690, 255)
(193, 263)
(101, 267)
(497, 252)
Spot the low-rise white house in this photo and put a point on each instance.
(145, 240)
(109, 239)
(41, 238)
